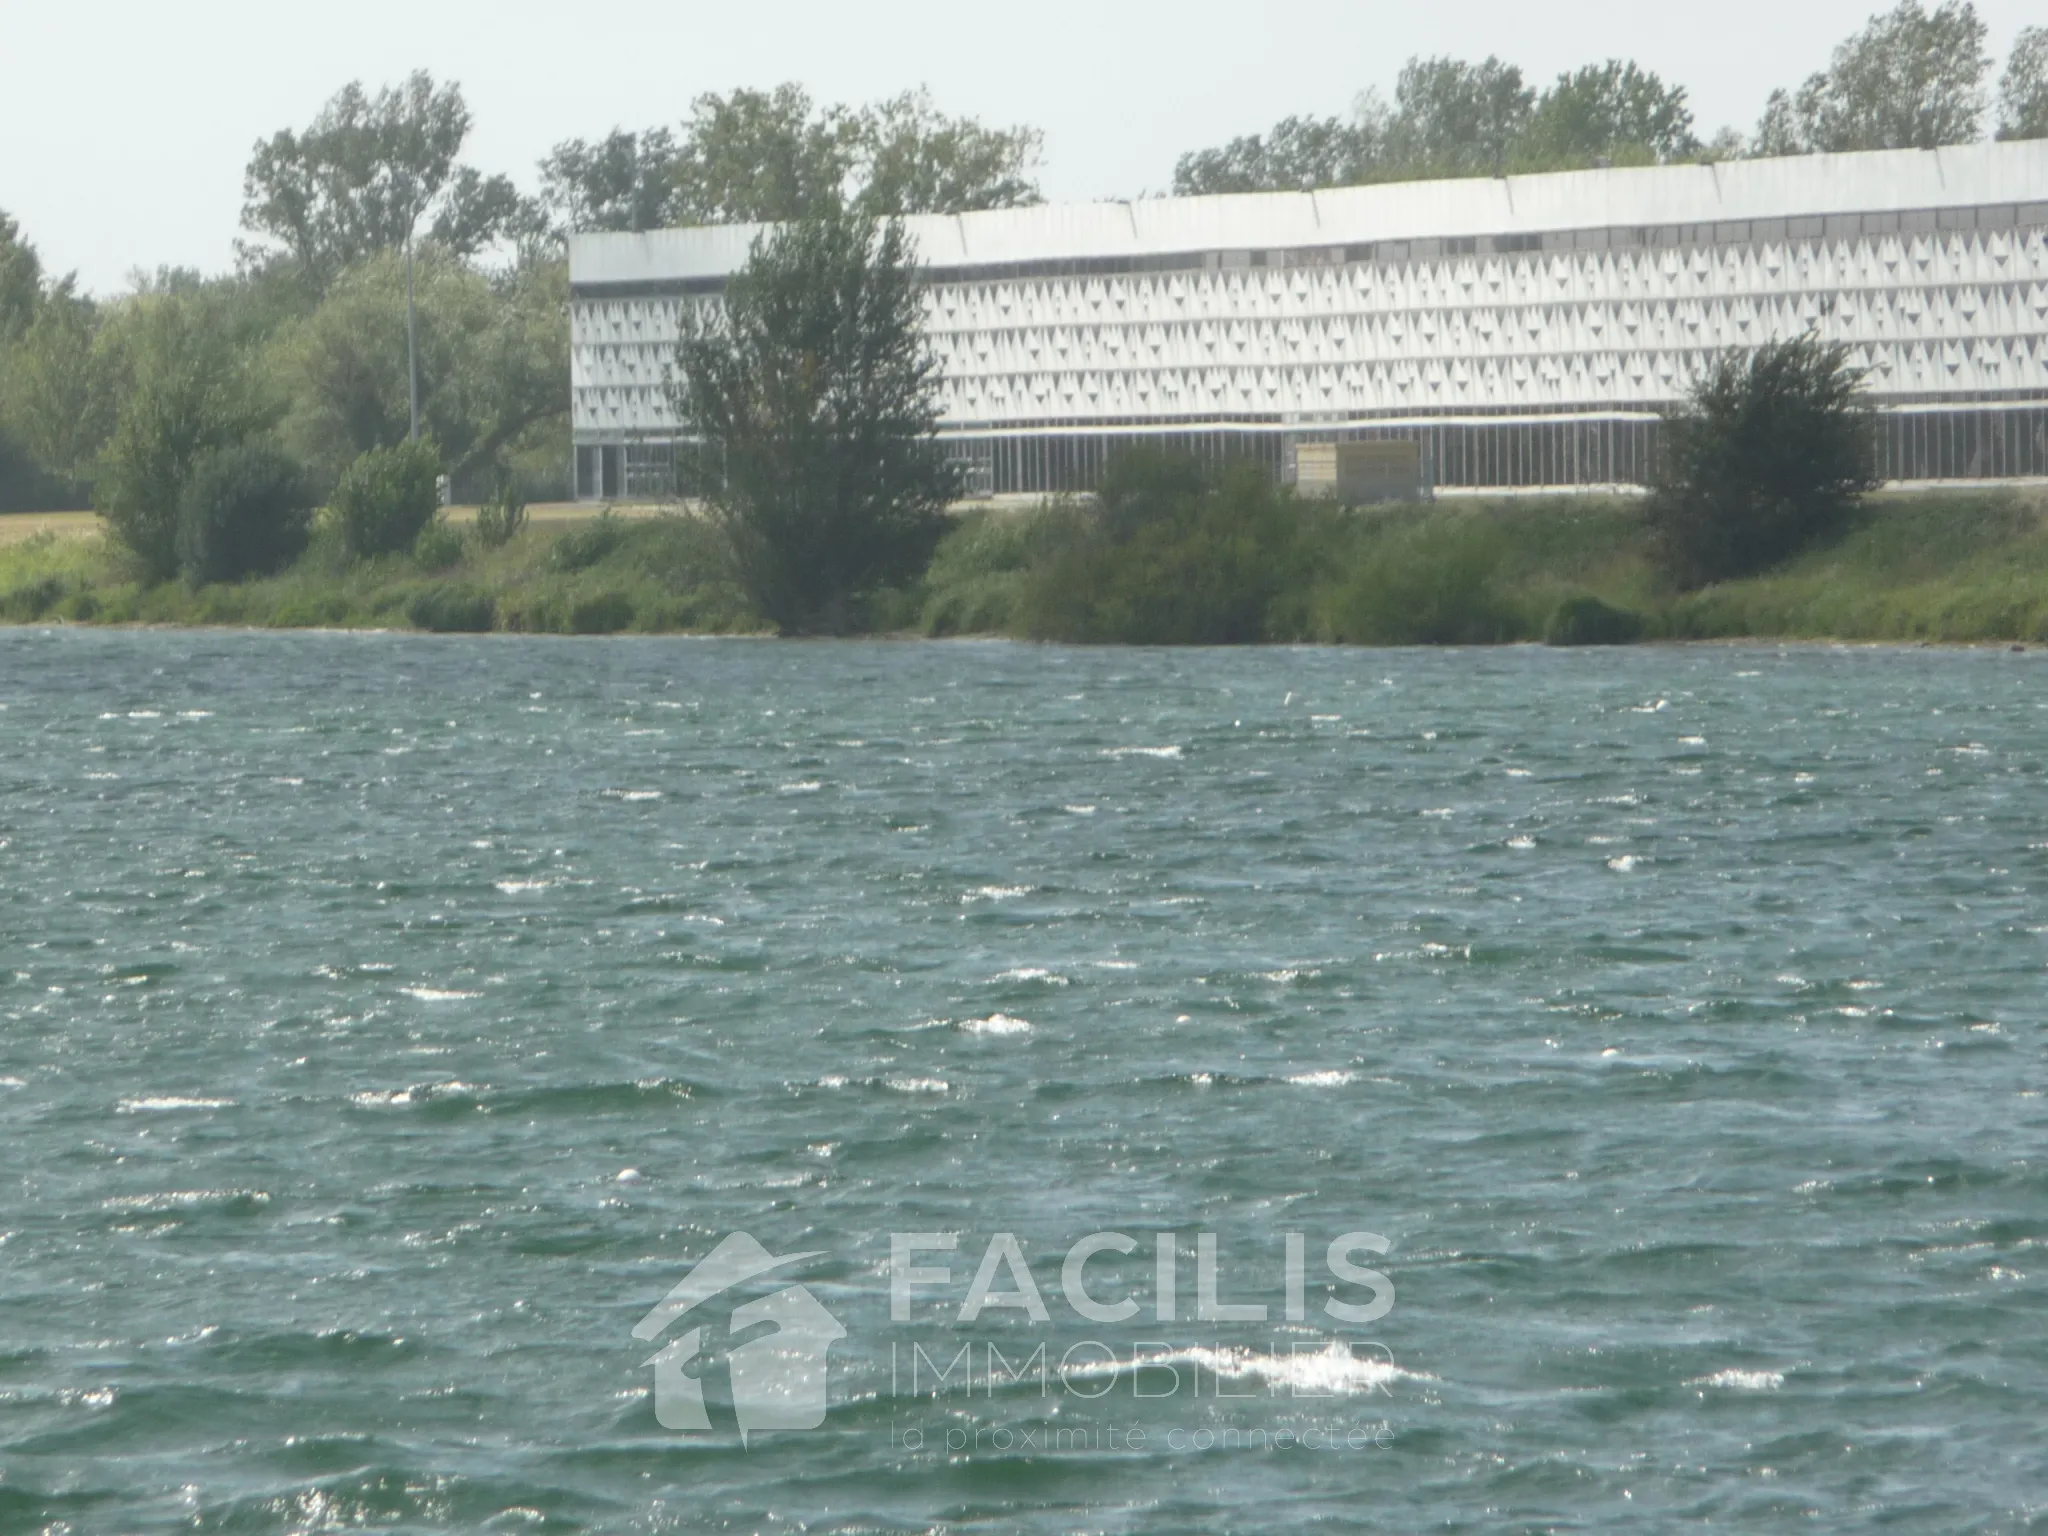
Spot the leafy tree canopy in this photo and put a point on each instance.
(1615, 111)
(2023, 92)
(186, 392)
(58, 389)
(1454, 118)
(494, 361)
(21, 281)
(1298, 155)
(364, 175)
(1911, 79)
(769, 156)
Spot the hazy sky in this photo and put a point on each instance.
(125, 124)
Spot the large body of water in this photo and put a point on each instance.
(1676, 1017)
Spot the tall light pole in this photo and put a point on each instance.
(412, 329)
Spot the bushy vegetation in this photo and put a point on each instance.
(499, 520)
(451, 608)
(1586, 620)
(190, 395)
(387, 498)
(1172, 554)
(1769, 454)
(246, 511)
(1568, 570)
(661, 575)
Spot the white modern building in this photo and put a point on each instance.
(1527, 330)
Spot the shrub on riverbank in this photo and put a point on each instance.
(1935, 566)
(660, 574)
(386, 499)
(246, 511)
(1171, 555)
(1768, 456)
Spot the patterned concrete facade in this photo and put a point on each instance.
(1527, 329)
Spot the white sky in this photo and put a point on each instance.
(125, 124)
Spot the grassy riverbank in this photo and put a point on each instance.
(1951, 566)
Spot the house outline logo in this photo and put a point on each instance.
(779, 1379)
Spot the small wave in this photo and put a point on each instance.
(1626, 864)
(1162, 752)
(169, 1104)
(439, 994)
(418, 1093)
(516, 887)
(1324, 1079)
(1078, 810)
(1114, 965)
(1521, 844)
(1031, 973)
(1741, 1381)
(917, 1085)
(629, 794)
(996, 893)
(996, 1024)
(165, 1201)
(1330, 1372)
(801, 787)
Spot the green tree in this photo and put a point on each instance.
(21, 281)
(386, 497)
(1452, 118)
(912, 158)
(186, 393)
(1769, 453)
(58, 392)
(364, 175)
(624, 181)
(761, 156)
(1299, 154)
(2023, 92)
(1613, 111)
(773, 156)
(1911, 79)
(494, 361)
(813, 397)
(246, 511)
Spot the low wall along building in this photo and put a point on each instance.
(1521, 331)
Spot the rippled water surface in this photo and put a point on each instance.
(1675, 1015)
